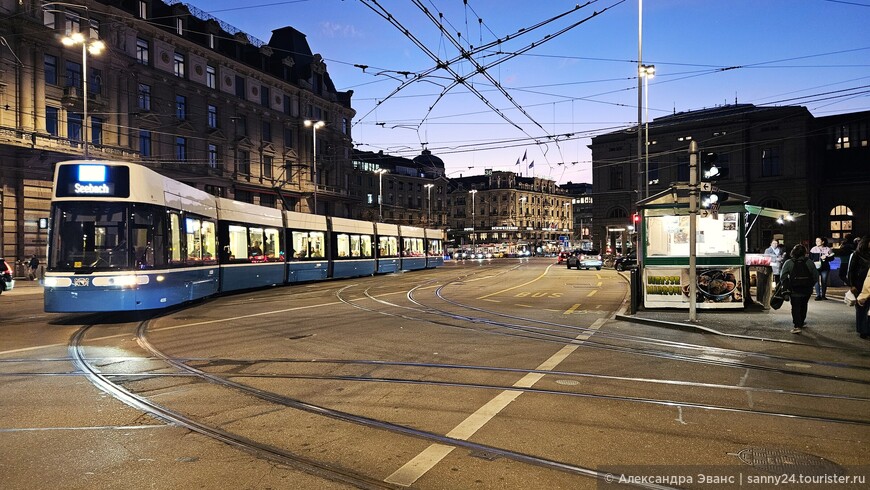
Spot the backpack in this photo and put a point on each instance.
(801, 278)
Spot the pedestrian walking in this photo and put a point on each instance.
(777, 256)
(33, 268)
(862, 303)
(798, 277)
(822, 255)
(859, 265)
(844, 252)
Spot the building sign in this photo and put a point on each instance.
(93, 180)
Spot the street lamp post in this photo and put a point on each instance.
(314, 125)
(473, 234)
(429, 198)
(381, 172)
(94, 47)
(646, 72)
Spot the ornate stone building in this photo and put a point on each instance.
(508, 211)
(174, 88)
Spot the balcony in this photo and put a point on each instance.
(72, 100)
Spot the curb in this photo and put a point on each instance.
(688, 327)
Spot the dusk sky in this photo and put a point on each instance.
(580, 83)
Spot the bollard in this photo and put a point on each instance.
(635, 291)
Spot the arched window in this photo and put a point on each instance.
(617, 213)
(841, 224)
(772, 203)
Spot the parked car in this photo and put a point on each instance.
(563, 256)
(6, 280)
(584, 259)
(626, 262)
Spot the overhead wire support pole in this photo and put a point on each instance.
(693, 231)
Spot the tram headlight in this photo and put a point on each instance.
(50, 282)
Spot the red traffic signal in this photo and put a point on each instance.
(635, 218)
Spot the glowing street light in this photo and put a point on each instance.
(94, 47)
(429, 198)
(473, 234)
(381, 172)
(646, 72)
(314, 125)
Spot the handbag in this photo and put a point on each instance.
(780, 295)
(849, 298)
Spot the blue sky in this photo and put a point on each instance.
(583, 82)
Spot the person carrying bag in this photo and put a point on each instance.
(799, 275)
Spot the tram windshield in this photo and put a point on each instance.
(89, 236)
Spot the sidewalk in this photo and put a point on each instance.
(830, 323)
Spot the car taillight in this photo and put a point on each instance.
(599, 257)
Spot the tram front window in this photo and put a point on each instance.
(89, 236)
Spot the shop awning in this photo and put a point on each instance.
(772, 212)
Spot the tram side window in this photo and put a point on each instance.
(365, 243)
(200, 236)
(209, 242)
(147, 236)
(412, 247)
(175, 243)
(238, 247)
(342, 245)
(272, 245)
(435, 248)
(255, 247)
(300, 244)
(354, 245)
(317, 244)
(388, 246)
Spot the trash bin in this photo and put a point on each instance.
(763, 284)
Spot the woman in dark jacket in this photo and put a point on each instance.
(799, 293)
(859, 263)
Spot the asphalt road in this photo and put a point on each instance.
(502, 374)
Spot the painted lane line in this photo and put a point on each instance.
(592, 293)
(571, 309)
(518, 285)
(418, 466)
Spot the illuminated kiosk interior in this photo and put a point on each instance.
(720, 251)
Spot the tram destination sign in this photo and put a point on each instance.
(93, 180)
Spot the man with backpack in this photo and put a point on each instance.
(799, 275)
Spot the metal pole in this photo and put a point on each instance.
(85, 96)
(646, 136)
(639, 96)
(380, 195)
(314, 133)
(693, 230)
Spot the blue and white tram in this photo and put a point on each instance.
(116, 246)
(252, 250)
(307, 259)
(413, 249)
(123, 238)
(389, 259)
(434, 248)
(351, 250)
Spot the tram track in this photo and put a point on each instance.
(105, 382)
(565, 334)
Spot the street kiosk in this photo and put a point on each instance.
(719, 251)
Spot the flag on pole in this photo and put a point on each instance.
(518, 162)
(525, 154)
(532, 164)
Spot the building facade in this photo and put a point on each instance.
(781, 157)
(397, 190)
(581, 205)
(175, 89)
(509, 212)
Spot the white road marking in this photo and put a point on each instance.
(432, 455)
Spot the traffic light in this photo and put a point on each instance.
(713, 199)
(635, 218)
(711, 170)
